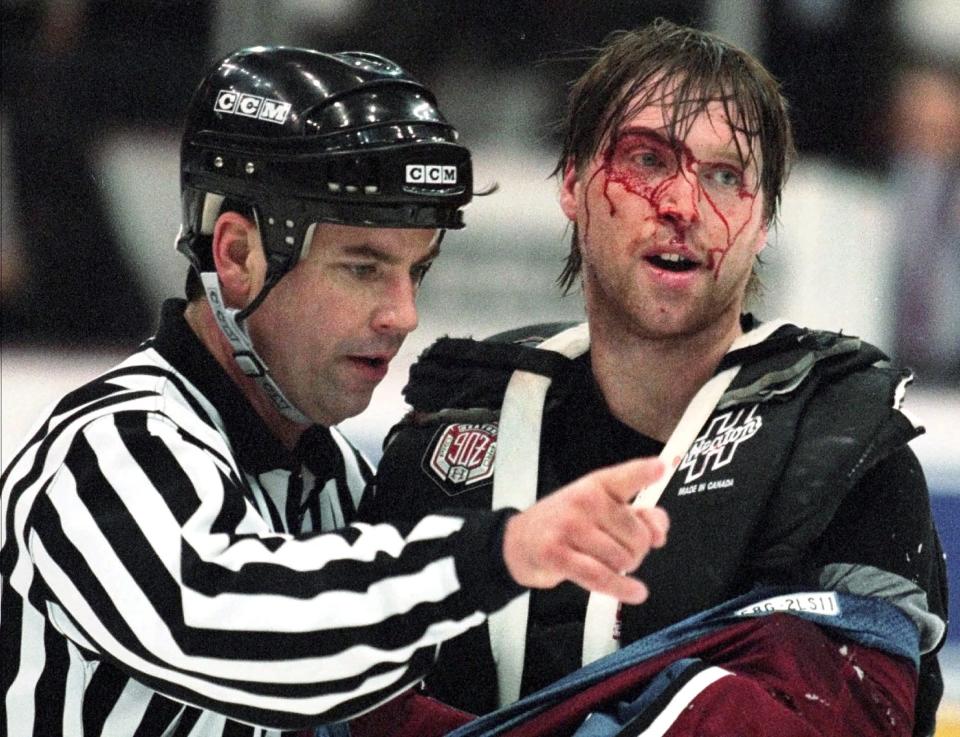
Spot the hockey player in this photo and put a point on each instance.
(177, 552)
(787, 451)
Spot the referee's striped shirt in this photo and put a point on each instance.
(168, 568)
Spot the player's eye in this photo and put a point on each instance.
(648, 159)
(362, 270)
(725, 176)
(418, 272)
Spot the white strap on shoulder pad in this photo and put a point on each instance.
(515, 485)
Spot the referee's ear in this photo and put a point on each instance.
(238, 258)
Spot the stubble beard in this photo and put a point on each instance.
(623, 313)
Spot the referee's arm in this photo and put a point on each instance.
(152, 558)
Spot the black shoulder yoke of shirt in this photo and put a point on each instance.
(467, 374)
(462, 373)
(785, 360)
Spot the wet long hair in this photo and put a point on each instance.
(684, 70)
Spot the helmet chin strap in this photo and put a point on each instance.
(233, 326)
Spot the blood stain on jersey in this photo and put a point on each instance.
(461, 456)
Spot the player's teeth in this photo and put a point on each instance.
(670, 257)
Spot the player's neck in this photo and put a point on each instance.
(648, 382)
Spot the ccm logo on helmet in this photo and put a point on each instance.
(431, 174)
(252, 106)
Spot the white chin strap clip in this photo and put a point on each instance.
(243, 351)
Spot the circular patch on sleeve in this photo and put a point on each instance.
(461, 456)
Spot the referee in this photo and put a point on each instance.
(178, 556)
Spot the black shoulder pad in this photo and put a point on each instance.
(461, 373)
(784, 361)
(849, 425)
(843, 362)
(838, 354)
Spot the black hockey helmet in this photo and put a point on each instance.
(301, 137)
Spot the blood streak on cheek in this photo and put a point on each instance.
(631, 180)
(717, 254)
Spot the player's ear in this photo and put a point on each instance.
(761, 242)
(570, 191)
(238, 258)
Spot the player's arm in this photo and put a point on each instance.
(882, 543)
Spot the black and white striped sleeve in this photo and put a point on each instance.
(149, 554)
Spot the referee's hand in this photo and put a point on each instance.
(588, 533)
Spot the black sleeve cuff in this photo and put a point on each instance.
(479, 559)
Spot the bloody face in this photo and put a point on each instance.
(668, 229)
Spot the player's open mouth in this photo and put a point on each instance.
(672, 262)
(371, 361)
(372, 368)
